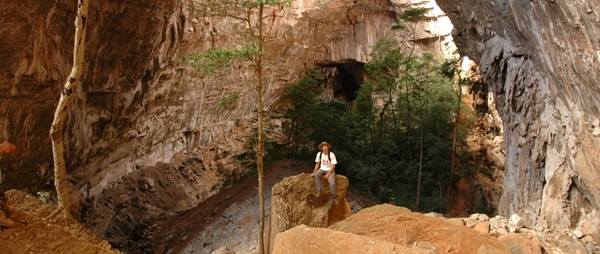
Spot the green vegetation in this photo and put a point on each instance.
(211, 61)
(225, 102)
(251, 13)
(44, 196)
(394, 142)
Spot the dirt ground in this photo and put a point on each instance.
(42, 228)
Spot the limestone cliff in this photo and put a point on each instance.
(143, 121)
(139, 107)
(541, 61)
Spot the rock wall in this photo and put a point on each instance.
(541, 60)
(139, 106)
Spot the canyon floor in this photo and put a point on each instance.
(229, 219)
(226, 220)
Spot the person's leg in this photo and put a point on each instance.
(331, 181)
(4, 221)
(320, 173)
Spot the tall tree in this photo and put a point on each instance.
(409, 20)
(251, 12)
(64, 104)
(425, 69)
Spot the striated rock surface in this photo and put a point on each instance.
(140, 110)
(138, 106)
(541, 60)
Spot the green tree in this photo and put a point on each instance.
(384, 72)
(409, 19)
(251, 12)
(302, 111)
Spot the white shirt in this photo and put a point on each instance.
(326, 161)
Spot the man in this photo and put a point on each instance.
(325, 169)
(5, 148)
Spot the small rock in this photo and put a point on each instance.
(578, 233)
(150, 181)
(483, 227)
(501, 231)
(470, 222)
(223, 250)
(479, 217)
(587, 239)
(434, 214)
(515, 223)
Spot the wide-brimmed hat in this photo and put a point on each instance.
(324, 144)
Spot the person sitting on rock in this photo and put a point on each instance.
(325, 169)
(7, 148)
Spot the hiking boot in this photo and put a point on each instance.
(318, 194)
(335, 202)
(6, 222)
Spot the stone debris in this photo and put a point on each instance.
(376, 229)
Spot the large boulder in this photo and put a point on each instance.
(294, 203)
(303, 239)
(400, 226)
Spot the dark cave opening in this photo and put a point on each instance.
(342, 79)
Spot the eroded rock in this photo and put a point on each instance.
(294, 203)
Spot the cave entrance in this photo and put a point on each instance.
(342, 79)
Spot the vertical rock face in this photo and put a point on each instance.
(139, 106)
(542, 61)
(126, 47)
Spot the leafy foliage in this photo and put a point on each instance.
(218, 59)
(225, 102)
(399, 127)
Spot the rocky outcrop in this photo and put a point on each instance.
(541, 61)
(384, 228)
(293, 203)
(303, 239)
(389, 226)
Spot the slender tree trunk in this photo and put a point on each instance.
(64, 104)
(424, 107)
(455, 127)
(420, 170)
(261, 145)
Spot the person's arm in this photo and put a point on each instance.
(317, 164)
(8, 148)
(331, 170)
(333, 164)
